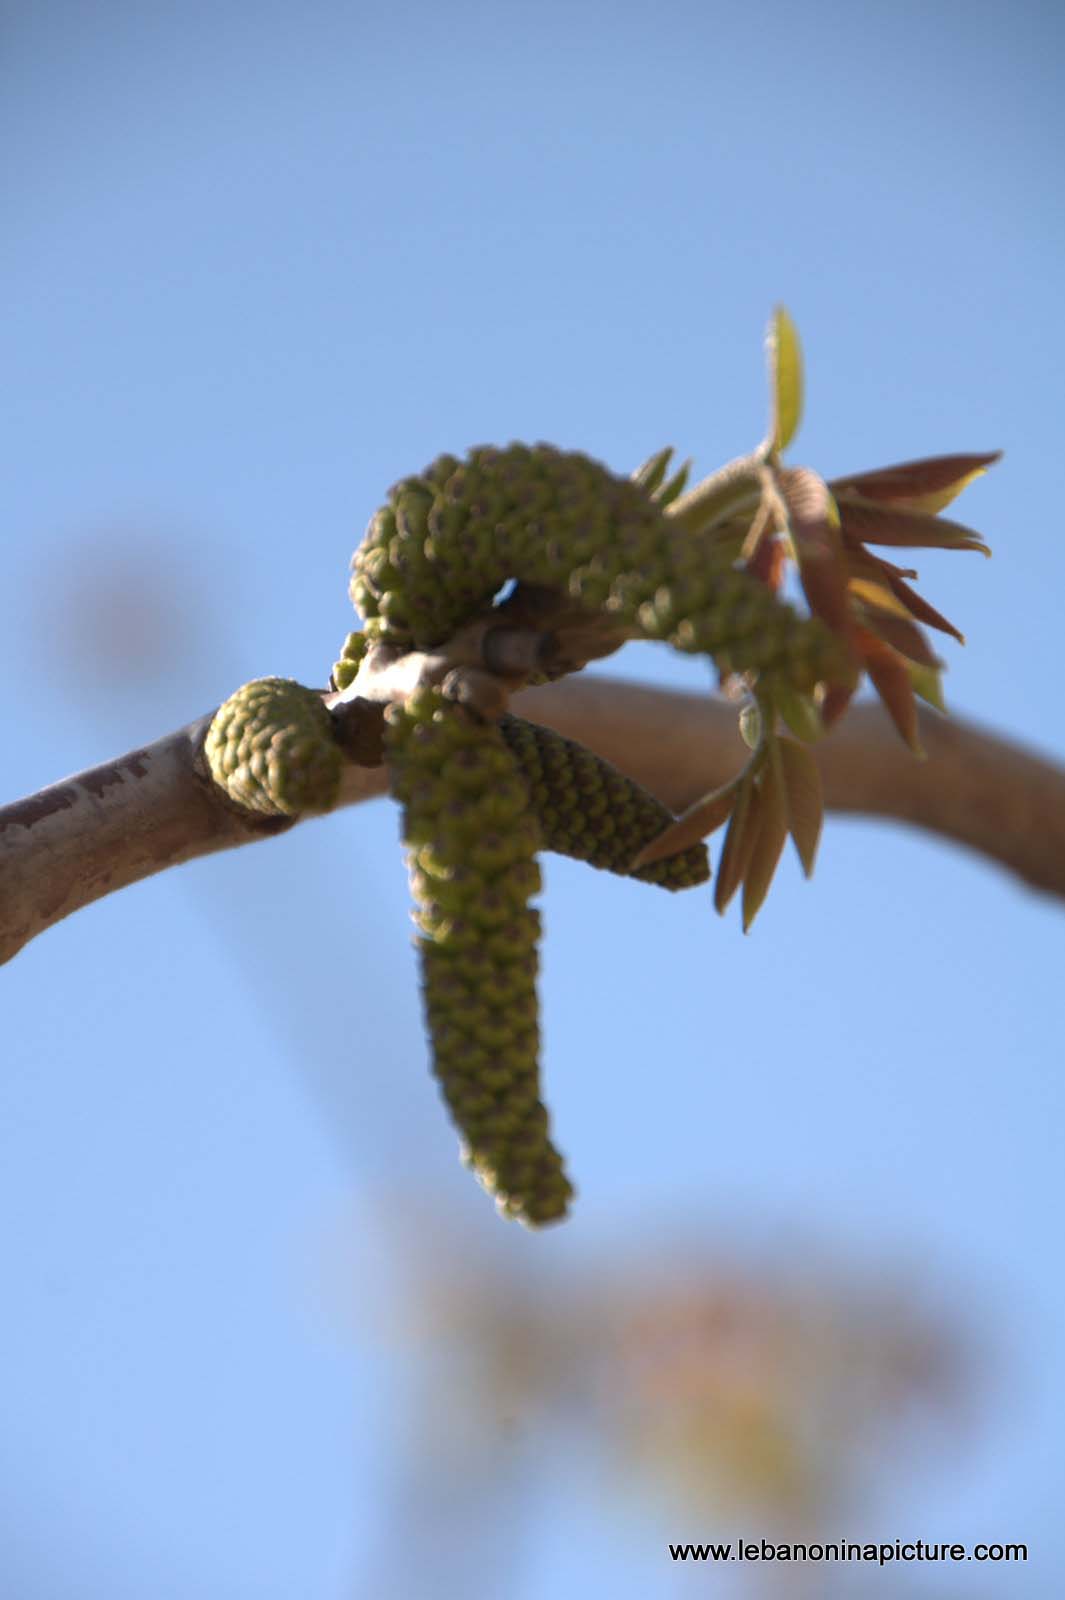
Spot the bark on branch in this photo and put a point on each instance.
(93, 833)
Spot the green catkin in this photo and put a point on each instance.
(450, 538)
(589, 810)
(270, 748)
(472, 841)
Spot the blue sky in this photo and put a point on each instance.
(258, 263)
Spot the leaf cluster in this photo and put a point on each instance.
(793, 517)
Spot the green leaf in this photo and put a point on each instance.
(674, 487)
(879, 596)
(805, 801)
(928, 683)
(799, 713)
(785, 379)
(926, 485)
(651, 475)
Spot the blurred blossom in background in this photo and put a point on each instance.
(264, 1336)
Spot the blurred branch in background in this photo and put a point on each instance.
(126, 607)
(763, 1395)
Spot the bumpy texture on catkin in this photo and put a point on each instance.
(589, 810)
(472, 843)
(448, 539)
(346, 667)
(270, 747)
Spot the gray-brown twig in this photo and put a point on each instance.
(122, 821)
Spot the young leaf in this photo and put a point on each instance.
(927, 485)
(769, 562)
(862, 563)
(772, 831)
(739, 842)
(814, 527)
(891, 679)
(875, 524)
(675, 486)
(785, 379)
(919, 608)
(872, 584)
(905, 637)
(651, 475)
(928, 684)
(877, 595)
(837, 698)
(799, 713)
(692, 825)
(806, 806)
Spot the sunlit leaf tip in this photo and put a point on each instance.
(785, 379)
(927, 684)
(651, 474)
(929, 484)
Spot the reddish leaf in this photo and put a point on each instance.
(862, 563)
(739, 842)
(805, 801)
(814, 528)
(769, 562)
(873, 524)
(871, 592)
(891, 680)
(692, 825)
(887, 615)
(904, 637)
(922, 611)
(935, 476)
(838, 697)
(888, 567)
(769, 840)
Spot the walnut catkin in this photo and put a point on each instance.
(589, 810)
(472, 840)
(449, 538)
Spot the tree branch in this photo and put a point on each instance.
(93, 833)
